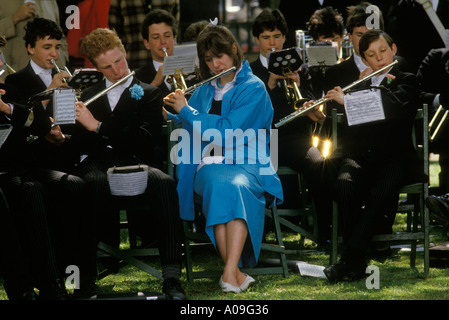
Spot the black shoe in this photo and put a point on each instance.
(29, 295)
(342, 271)
(86, 292)
(439, 206)
(53, 291)
(172, 289)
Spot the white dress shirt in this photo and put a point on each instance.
(114, 94)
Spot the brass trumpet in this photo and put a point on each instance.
(303, 111)
(291, 90)
(53, 62)
(440, 124)
(177, 78)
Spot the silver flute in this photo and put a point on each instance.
(102, 93)
(303, 111)
(218, 75)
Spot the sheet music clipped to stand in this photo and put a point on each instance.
(322, 53)
(64, 111)
(364, 106)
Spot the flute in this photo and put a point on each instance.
(302, 111)
(102, 93)
(218, 75)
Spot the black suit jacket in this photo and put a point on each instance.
(44, 153)
(17, 151)
(433, 75)
(295, 136)
(391, 137)
(131, 133)
(26, 81)
(147, 73)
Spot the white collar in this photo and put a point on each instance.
(263, 60)
(376, 80)
(123, 85)
(359, 63)
(37, 69)
(220, 91)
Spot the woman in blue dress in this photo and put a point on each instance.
(223, 154)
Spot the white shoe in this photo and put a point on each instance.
(249, 282)
(227, 287)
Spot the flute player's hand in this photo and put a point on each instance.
(85, 117)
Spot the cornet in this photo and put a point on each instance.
(291, 90)
(177, 78)
(53, 62)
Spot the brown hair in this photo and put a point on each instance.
(217, 40)
(100, 41)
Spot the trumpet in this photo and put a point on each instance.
(291, 90)
(177, 78)
(102, 93)
(440, 124)
(304, 110)
(53, 62)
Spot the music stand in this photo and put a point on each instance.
(84, 78)
(284, 61)
(322, 53)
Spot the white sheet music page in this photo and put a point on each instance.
(186, 63)
(364, 106)
(322, 55)
(64, 111)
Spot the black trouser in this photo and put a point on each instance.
(300, 155)
(367, 192)
(162, 196)
(27, 255)
(52, 216)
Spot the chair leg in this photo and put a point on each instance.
(188, 253)
(278, 233)
(334, 234)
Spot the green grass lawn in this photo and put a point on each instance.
(396, 279)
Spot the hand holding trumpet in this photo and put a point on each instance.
(274, 78)
(176, 100)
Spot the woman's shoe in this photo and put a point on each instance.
(249, 282)
(227, 287)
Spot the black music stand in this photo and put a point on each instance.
(84, 78)
(284, 61)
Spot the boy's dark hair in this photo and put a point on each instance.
(357, 16)
(39, 28)
(325, 22)
(158, 16)
(269, 19)
(371, 36)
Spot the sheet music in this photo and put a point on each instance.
(322, 55)
(364, 106)
(64, 111)
(186, 63)
(5, 130)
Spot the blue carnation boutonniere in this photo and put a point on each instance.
(136, 92)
